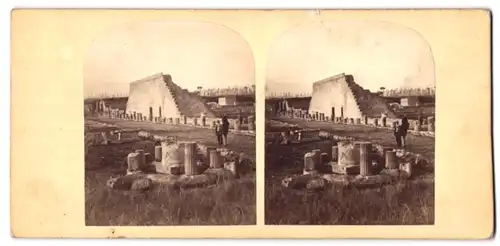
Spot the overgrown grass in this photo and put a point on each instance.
(231, 203)
(408, 203)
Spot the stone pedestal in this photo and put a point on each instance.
(203, 120)
(170, 157)
(375, 122)
(177, 121)
(366, 120)
(317, 157)
(184, 120)
(309, 162)
(358, 121)
(157, 153)
(365, 159)
(384, 122)
(195, 121)
(348, 153)
(216, 160)
(142, 158)
(189, 158)
(133, 162)
(391, 161)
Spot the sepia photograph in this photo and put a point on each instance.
(350, 125)
(169, 126)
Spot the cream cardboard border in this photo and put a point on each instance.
(48, 48)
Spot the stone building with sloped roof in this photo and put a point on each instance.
(159, 96)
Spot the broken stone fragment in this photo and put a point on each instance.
(141, 184)
(316, 184)
(195, 181)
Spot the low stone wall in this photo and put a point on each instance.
(387, 123)
(201, 122)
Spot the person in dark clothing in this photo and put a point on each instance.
(225, 130)
(403, 129)
(218, 132)
(396, 134)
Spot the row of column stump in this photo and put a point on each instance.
(177, 121)
(352, 160)
(139, 161)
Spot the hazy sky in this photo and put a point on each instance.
(375, 53)
(194, 53)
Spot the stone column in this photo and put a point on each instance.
(170, 120)
(195, 121)
(365, 159)
(366, 120)
(135, 116)
(309, 162)
(216, 160)
(391, 161)
(142, 158)
(317, 156)
(184, 120)
(119, 136)
(237, 125)
(157, 153)
(177, 121)
(352, 121)
(384, 121)
(189, 158)
(133, 162)
(203, 121)
(335, 153)
(375, 121)
(358, 121)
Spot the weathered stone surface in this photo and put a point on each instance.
(221, 174)
(335, 153)
(141, 157)
(309, 162)
(195, 181)
(348, 153)
(406, 167)
(317, 183)
(158, 153)
(317, 157)
(324, 158)
(391, 161)
(170, 155)
(297, 182)
(189, 159)
(233, 167)
(133, 162)
(341, 169)
(140, 184)
(365, 159)
(310, 172)
(216, 160)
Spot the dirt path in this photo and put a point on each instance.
(238, 143)
(416, 144)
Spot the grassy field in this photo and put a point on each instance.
(407, 202)
(231, 203)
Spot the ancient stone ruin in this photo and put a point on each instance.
(180, 164)
(354, 163)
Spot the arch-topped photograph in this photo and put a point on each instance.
(169, 117)
(350, 108)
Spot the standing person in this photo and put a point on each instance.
(225, 129)
(396, 134)
(403, 129)
(218, 132)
